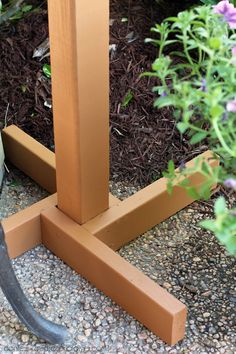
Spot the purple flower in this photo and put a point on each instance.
(228, 11)
(164, 94)
(234, 51)
(231, 106)
(203, 86)
(230, 183)
(233, 59)
(182, 166)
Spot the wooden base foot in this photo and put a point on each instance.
(89, 248)
(131, 289)
(31, 157)
(23, 229)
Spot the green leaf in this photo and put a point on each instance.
(26, 8)
(170, 41)
(216, 111)
(206, 168)
(171, 19)
(47, 70)
(205, 191)
(0, 5)
(208, 224)
(192, 192)
(215, 43)
(165, 174)
(128, 98)
(220, 206)
(184, 183)
(154, 41)
(169, 187)
(231, 245)
(164, 101)
(171, 167)
(15, 183)
(199, 136)
(161, 64)
(182, 127)
(17, 16)
(23, 88)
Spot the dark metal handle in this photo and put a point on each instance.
(47, 330)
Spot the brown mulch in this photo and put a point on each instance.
(142, 138)
(23, 86)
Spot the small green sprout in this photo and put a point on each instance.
(47, 70)
(128, 98)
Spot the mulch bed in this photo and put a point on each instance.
(142, 139)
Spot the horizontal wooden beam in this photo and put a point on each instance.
(23, 229)
(34, 159)
(31, 157)
(143, 210)
(149, 303)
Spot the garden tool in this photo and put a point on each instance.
(42, 328)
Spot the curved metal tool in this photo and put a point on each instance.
(47, 330)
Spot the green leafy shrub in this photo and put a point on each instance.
(198, 78)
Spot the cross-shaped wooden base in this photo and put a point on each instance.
(90, 248)
(82, 224)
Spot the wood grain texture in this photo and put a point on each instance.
(79, 38)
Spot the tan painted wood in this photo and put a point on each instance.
(124, 221)
(23, 229)
(143, 210)
(34, 159)
(136, 293)
(79, 37)
(31, 157)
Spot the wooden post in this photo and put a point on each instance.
(79, 37)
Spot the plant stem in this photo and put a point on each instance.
(193, 127)
(221, 139)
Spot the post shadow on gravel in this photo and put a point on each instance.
(42, 328)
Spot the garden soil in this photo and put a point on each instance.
(142, 138)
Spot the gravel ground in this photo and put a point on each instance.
(188, 262)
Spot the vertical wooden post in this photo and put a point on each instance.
(79, 37)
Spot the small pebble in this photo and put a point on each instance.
(206, 314)
(25, 338)
(166, 285)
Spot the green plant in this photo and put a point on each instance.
(13, 10)
(224, 224)
(199, 80)
(127, 99)
(47, 71)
